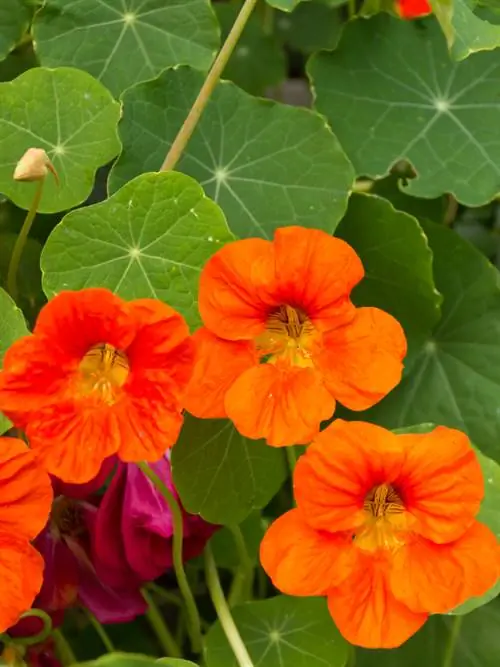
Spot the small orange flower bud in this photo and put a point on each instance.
(34, 166)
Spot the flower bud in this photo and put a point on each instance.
(34, 166)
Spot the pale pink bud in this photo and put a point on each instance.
(34, 166)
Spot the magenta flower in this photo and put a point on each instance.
(133, 533)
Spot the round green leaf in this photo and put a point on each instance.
(124, 43)
(14, 21)
(68, 114)
(150, 239)
(436, 113)
(398, 266)
(281, 632)
(455, 379)
(222, 475)
(258, 60)
(266, 164)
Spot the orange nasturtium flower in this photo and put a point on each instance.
(385, 528)
(282, 340)
(98, 376)
(412, 9)
(25, 500)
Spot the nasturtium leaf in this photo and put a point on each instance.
(150, 239)
(391, 92)
(398, 266)
(258, 60)
(12, 327)
(426, 209)
(14, 21)
(223, 542)
(222, 475)
(266, 164)
(135, 660)
(284, 5)
(124, 43)
(312, 26)
(281, 632)
(175, 662)
(68, 114)
(455, 380)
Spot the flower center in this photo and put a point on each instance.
(103, 371)
(67, 519)
(289, 335)
(386, 520)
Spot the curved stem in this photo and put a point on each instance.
(163, 634)
(40, 636)
(194, 624)
(21, 241)
(194, 115)
(449, 652)
(103, 635)
(63, 648)
(221, 607)
(244, 574)
(291, 457)
(168, 596)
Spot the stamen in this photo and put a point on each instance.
(292, 322)
(387, 521)
(383, 500)
(103, 370)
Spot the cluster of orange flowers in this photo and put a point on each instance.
(385, 524)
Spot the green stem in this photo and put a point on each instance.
(44, 632)
(268, 19)
(194, 115)
(351, 8)
(351, 660)
(21, 241)
(449, 652)
(221, 607)
(194, 623)
(168, 596)
(63, 648)
(163, 634)
(244, 574)
(291, 456)
(103, 635)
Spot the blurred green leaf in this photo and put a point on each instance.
(29, 277)
(15, 16)
(134, 660)
(312, 26)
(223, 544)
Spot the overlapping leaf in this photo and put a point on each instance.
(266, 164)
(150, 239)
(391, 92)
(312, 26)
(135, 660)
(281, 632)
(14, 21)
(126, 42)
(222, 475)
(68, 114)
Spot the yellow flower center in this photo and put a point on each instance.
(386, 520)
(103, 371)
(289, 335)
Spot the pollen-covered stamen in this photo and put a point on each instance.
(292, 322)
(104, 370)
(383, 500)
(386, 521)
(289, 335)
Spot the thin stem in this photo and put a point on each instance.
(351, 8)
(194, 115)
(244, 575)
(21, 241)
(194, 623)
(221, 607)
(351, 660)
(291, 457)
(103, 635)
(268, 19)
(449, 652)
(63, 648)
(168, 596)
(40, 636)
(163, 634)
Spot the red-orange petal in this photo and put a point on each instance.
(25, 490)
(438, 577)
(441, 482)
(303, 561)
(367, 613)
(283, 404)
(217, 365)
(411, 9)
(344, 463)
(363, 361)
(317, 272)
(21, 573)
(237, 288)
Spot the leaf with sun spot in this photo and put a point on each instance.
(386, 103)
(266, 164)
(68, 114)
(122, 42)
(281, 632)
(150, 239)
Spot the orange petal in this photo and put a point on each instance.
(25, 490)
(442, 483)
(410, 9)
(317, 272)
(283, 404)
(21, 570)
(438, 577)
(303, 561)
(367, 613)
(362, 361)
(218, 363)
(236, 289)
(339, 468)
